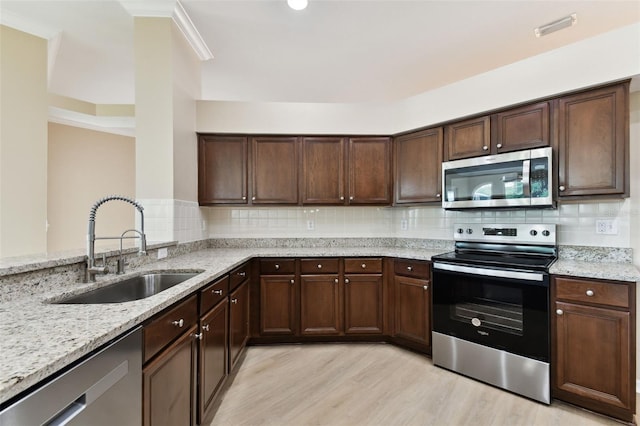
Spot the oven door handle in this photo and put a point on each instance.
(501, 273)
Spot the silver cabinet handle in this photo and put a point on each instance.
(234, 301)
(409, 268)
(335, 281)
(499, 146)
(178, 323)
(218, 292)
(244, 198)
(562, 188)
(426, 287)
(559, 311)
(351, 198)
(277, 266)
(438, 195)
(590, 293)
(205, 327)
(319, 266)
(341, 198)
(485, 148)
(293, 281)
(197, 336)
(253, 198)
(242, 274)
(346, 281)
(364, 266)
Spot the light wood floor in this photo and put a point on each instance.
(372, 384)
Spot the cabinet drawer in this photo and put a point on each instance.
(238, 275)
(412, 268)
(369, 265)
(213, 293)
(319, 266)
(277, 266)
(168, 325)
(588, 291)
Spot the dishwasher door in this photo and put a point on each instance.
(104, 389)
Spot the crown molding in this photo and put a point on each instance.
(20, 23)
(124, 126)
(171, 9)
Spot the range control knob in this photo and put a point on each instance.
(469, 231)
(533, 232)
(546, 233)
(459, 230)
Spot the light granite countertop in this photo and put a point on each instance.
(38, 338)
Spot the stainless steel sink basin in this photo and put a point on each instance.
(134, 288)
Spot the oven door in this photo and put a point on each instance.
(499, 308)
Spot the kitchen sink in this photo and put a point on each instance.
(134, 288)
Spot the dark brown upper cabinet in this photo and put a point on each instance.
(520, 128)
(418, 167)
(222, 169)
(469, 138)
(369, 160)
(323, 170)
(593, 143)
(274, 177)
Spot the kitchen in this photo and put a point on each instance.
(173, 198)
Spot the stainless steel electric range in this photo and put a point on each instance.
(491, 306)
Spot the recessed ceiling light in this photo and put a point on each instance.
(565, 22)
(297, 4)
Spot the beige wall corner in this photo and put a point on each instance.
(23, 143)
(84, 166)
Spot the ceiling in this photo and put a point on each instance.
(333, 51)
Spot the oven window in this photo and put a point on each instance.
(490, 306)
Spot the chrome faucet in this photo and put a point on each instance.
(92, 268)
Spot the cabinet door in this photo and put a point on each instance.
(238, 322)
(592, 358)
(213, 354)
(323, 170)
(275, 170)
(418, 167)
(593, 135)
(363, 304)
(521, 128)
(278, 305)
(412, 314)
(470, 138)
(168, 388)
(369, 171)
(222, 170)
(320, 304)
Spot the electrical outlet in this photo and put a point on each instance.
(311, 225)
(404, 224)
(607, 226)
(162, 253)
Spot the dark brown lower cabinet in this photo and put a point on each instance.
(238, 322)
(213, 355)
(363, 304)
(169, 383)
(593, 345)
(412, 310)
(320, 305)
(278, 305)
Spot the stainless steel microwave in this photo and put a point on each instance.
(514, 179)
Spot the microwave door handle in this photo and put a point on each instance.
(526, 178)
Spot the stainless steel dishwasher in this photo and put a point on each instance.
(103, 389)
